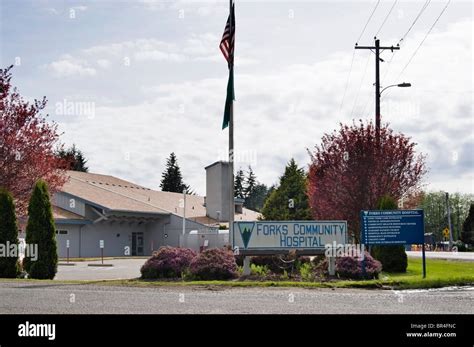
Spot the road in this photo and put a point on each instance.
(37, 298)
(121, 269)
(469, 256)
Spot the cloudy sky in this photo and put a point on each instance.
(131, 81)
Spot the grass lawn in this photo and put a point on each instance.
(439, 273)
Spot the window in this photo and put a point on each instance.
(61, 232)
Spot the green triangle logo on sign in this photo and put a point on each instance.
(246, 229)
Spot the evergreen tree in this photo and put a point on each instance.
(239, 185)
(257, 197)
(41, 231)
(250, 182)
(289, 200)
(172, 180)
(393, 258)
(467, 235)
(9, 267)
(74, 159)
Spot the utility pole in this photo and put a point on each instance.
(377, 49)
(448, 209)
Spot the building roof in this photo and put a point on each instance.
(119, 195)
(59, 213)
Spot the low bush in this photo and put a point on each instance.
(351, 267)
(214, 264)
(393, 258)
(167, 262)
(307, 272)
(258, 270)
(278, 264)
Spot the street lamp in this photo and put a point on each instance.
(400, 85)
(377, 106)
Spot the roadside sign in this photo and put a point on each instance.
(446, 232)
(392, 227)
(101, 243)
(288, 235)
(67, 243)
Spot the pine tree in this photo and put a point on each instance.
(289, 200)
(172, 180)
(74, 159)
(257, 198)
(239, 191)
(467, 235)
(393, 258)
(9, 267)
(250, 182)
(41, 231)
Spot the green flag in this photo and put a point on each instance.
(229, 99)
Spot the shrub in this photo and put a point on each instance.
(351, 267)
(307, 272)
(258, 270)
(393, 258)
(9, 266)
(271, 262)
(278, 264)
(41, 231)
(167, 262)
(214, 264)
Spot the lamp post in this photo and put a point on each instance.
(377, 106)
(448, 212)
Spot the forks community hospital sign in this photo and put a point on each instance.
(288, 235)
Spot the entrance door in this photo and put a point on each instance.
(137, 243)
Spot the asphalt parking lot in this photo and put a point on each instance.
(39, 298)
(121, 269)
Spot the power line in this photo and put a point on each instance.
(386, 17)
(423, 8)
(368, 20)
(422, 41)
(420, 12)
(353, 55)
(347, 81)
(360, 86)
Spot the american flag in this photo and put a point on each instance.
(228, 39)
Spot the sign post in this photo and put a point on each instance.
(67, 251)
(393, 227)
(101, 245)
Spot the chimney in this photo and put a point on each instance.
(217, 191)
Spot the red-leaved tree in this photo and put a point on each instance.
(350, 172)
(27, 144)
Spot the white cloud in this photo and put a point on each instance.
(68, 66)
(158, 55)
(79, 8)
(103, 63)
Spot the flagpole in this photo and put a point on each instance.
(231, 143)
